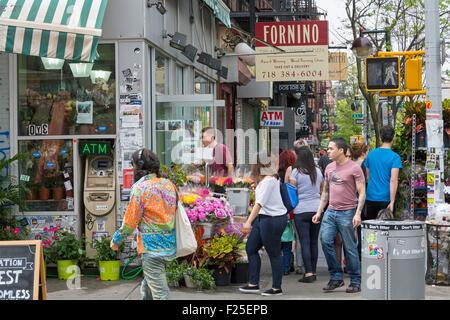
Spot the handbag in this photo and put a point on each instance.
(289, 196)
(288, 233)
(185, 237)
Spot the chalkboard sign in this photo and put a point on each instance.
(22, 276)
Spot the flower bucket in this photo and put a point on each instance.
(188, 281)
(64, 269)
(221, 276)
(109, 270)
(239, 200)
(207, 229)
(239, 273)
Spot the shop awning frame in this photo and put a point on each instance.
(221, 11)
(63, 29)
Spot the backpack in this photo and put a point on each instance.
(289, 196)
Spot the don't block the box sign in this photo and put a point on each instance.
(272, 118)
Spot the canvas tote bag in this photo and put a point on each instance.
(185, 238)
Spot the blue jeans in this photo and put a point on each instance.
(266, 231)
(309, 239)
(154, 285)
(286, 249)
(335, 221)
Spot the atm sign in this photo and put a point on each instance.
(88, 148)
(274, 118)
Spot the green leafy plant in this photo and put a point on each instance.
(11, 194)
(175, 271)
(202, 278)
(223, 251)
(175, 173)
(66, 247)
(104, 251)
(11, 233)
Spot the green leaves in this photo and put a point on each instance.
(104, 251)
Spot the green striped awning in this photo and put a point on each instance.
(64, 29)
(221, 11)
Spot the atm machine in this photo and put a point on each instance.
(99, 200)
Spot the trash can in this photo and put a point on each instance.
(393, 260)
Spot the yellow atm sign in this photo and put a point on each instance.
(95, 148)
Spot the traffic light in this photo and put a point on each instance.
(413, 74)
(383, 74)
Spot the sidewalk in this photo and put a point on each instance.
(94, 289)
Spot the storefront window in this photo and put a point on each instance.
(180, 79)
(202, 85)
(181, 122)
(48, 174)
(161, 72)
(77, 98)
(4, 110)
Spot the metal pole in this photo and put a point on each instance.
(434, 95)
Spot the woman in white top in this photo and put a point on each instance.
(265, 224)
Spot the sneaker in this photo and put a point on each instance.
(272, 292)
(299, 270)
(286, 273)
(353, 288)
(334, 284)
(308, 279)
(249, 289)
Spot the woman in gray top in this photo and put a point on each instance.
(308, 178)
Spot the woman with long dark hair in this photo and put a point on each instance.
(151, 210)
(308, 178)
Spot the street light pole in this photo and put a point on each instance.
(434, 128)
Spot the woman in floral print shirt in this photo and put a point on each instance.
(152, 207)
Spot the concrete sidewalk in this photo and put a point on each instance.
(94, 289)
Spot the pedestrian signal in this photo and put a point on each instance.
(413, 74)
(383, 74)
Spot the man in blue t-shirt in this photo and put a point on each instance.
(383, 166)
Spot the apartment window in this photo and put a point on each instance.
(179, 79)
(161, 74)
(202, 85)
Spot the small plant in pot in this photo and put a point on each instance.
(31, 191)
(68, 252)
(44, 190)
(107, 259)
(58, 190)
(175, 272)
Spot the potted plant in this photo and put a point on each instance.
(66, 251)
(58, 190)
(203, 279)
(108, 263)
(175, 273)
(222, 253)
(32, 191)
(44, 190)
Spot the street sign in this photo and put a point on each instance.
(357, 116)
(360, 121)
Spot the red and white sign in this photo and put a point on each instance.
(272, 118)
(309, 40)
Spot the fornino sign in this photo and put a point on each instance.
(95, 148)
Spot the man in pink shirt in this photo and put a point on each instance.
(345, 190)
(222, 163)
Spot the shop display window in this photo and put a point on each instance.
(47, 173)
(161, 74)
(58, 97)
(179, 124)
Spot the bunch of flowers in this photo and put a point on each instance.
(189, 198)
(235, 182)
(229, 229)
(209, 210)
(48, 236)
(10, 233)
(221, 181)
(196, 178)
